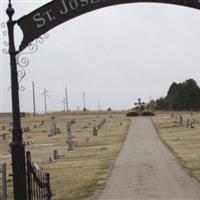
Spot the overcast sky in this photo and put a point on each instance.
(115, 54)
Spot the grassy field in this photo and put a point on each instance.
(79, 173)
(183, 141)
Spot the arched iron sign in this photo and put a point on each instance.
(56, 12)
(33, 26)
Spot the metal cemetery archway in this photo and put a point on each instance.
(33, 26)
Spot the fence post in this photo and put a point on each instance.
(4, 182)
(49, 194)
(28, 163)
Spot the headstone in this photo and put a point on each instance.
(95, 131)
(73, 121)
(41, 123)
(55, 154)
(193, 120)
(51, 159)
(180, 119)
(187, 123)
(69, 141)
(4, 136)
(52, 117)
(54, 130)
(35, 126)
(191, 124)
(99, 126)
(27, 128)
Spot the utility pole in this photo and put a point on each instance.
(45, 93)
(34, 110)
(64, 103)
(66, 97)
(98, 105)
(17, 145)
(84, 108)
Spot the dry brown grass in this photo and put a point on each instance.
(182, 141)
(80, 172)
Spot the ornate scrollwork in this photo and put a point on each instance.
(22, 62)
(41, 39)
(21, 59)
(5, 34)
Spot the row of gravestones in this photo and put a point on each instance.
(189, 123)
(70, 141)
(54, 130)
(72, 144)
(24, 129)
(98, 127)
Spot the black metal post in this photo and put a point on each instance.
(17, 146)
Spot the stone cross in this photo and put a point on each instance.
(140, 104)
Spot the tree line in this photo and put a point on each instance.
(180, 96)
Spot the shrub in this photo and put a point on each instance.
(132, 114)
(109, 109)
(148, 113)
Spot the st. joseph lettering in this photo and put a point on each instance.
(41, 19)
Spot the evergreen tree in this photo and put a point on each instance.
(181, 96)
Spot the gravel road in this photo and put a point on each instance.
(145, 169)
